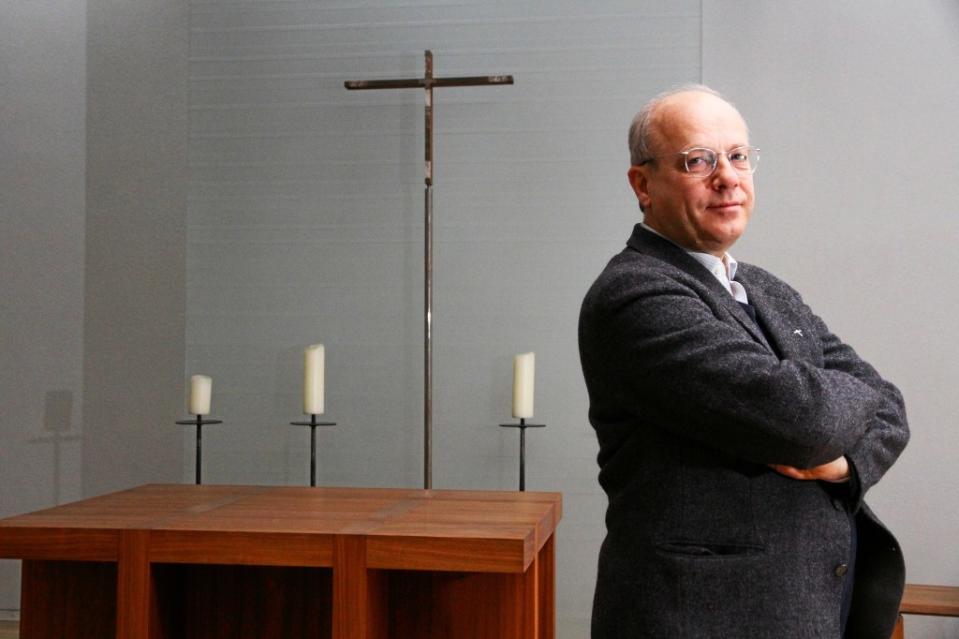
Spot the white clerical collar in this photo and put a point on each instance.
(723, 269)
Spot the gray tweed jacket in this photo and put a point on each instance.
(690, 402)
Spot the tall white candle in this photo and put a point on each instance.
(314, 372)
(524, 368)
(201, 388)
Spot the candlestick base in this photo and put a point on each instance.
(313, 424)
(522, 426)
(199, 422)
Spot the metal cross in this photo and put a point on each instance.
(428, 82)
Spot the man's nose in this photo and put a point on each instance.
(725, 175)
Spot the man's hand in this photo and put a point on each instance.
(835, 471)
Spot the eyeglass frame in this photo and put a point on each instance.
(716, 154)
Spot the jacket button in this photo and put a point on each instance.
(837, 504)
(841, 570)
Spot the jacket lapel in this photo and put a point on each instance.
(786, 324)
(660, 248)
(767, 312)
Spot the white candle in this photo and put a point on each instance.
(524, 367)
(201, 388)
(314, 372)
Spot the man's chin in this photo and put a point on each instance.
(723, 241)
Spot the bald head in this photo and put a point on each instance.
(644, 129)
(703, 211)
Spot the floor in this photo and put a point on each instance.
(9, 630)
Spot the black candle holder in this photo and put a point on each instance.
(199, 422)
(522, 426)
(313, 424)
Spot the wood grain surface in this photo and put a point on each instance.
(165, 561)
(919, 599)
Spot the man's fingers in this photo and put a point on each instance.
(790, 471)
(835, 471)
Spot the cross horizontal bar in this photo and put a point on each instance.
(414, 83)
(476, 80)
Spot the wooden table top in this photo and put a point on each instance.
(919, 599)
(285, 525)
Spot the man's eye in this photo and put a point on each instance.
(696, 160)
(739, 156)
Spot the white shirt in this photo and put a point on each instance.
(723, 269)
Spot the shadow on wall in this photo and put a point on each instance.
(58, 426)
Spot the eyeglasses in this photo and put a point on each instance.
(700, 162)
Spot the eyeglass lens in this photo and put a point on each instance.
(703, 161)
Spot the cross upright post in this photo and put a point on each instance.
(428, 82)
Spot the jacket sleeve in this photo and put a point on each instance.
(887, 430)
(655, 348)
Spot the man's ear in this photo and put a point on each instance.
(639, 179)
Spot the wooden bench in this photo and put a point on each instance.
(941, 601)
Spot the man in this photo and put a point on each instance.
(737, 434)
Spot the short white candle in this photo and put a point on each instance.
(524, 368)
(314, 372)
(201, 388)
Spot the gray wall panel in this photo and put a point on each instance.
(136, 189)
(241, 204)
(305, 224)
(853, 104)
(42, 146)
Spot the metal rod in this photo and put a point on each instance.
(419, 83)
(522, 426)
(428, 347)
(428, 280)
(199, 422)
(199, 448)
(365, 85)
(428, 82)
(313, 423)
(522, 453)
(428, 115)
(313, 450)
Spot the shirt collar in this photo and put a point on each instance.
(727, 264)
(723, 269)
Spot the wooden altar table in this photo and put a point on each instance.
(920, 599)
(186, 561)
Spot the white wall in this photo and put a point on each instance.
(42, 141)
(135, 242)
(93, 144)
(854, 105)
(305, 225)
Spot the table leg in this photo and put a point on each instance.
(134, 587)
(529, 604)
(899, 632)
(360, 595)
(546, 561)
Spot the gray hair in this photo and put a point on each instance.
(641, 128)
